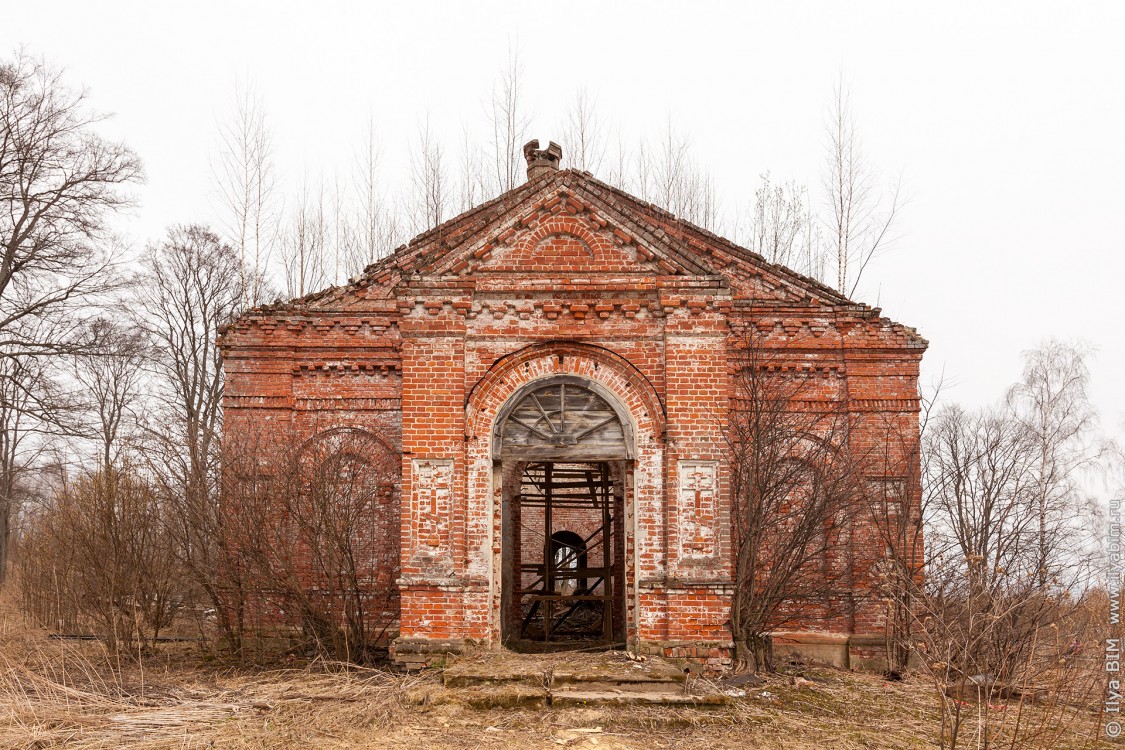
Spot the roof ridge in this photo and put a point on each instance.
(464, 217)
(727, 242)
(663, 228)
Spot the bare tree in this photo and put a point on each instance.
(191, 287)
(320, 532)
(980, 495)
(985, 624)
(304, 242)
(113, 384)
(783, 229)
(368, 188)
(667, 176)
(376, 224)
(583, 133)
(245, 184)
(27, 405)
(59, 181)
(795, 492)
(896, 509)
(619, 171)
(325, 240)
(344, 234)
(508, 121)
(1052, 403)
(98, 556)
(430, 190)
(860, 220)
(471, 175)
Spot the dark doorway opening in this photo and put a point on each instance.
(568, 556)
(567, 562)
(564, 447)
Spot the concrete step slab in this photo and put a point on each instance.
(475, 674)
(512, 695)
(598, 686)
(614, 668)
(621, 672)
(574, 698)
(504, 696)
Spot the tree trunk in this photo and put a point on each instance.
(754, 653)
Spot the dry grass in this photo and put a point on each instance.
(68, 694)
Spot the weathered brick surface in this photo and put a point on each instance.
(565, 275)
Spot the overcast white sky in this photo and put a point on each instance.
(1006, 121)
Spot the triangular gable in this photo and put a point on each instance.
(568, 221)
(557, 230)
(750, 274)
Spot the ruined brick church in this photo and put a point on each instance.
(551, 372)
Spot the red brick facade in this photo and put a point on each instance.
(565, 276)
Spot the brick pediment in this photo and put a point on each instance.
(569, 226)
(560, 234)
(568, 233)
(563, 247)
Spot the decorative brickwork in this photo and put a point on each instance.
(698, 509)
(567, 280)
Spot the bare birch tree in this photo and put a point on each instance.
(368, 189)
(472, 181)
(344, 233)
(377, 225)
(860, 220)
(192, 286)
(583, 133)
(783, 228)
(1052, 403)
(245, 184)
(667, 176)
(304, 242)
(508, 122)
(429, 182)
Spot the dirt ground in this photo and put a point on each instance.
(70, 694)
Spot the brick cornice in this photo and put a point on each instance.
(381, 367)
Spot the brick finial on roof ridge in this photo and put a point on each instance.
(541, 161)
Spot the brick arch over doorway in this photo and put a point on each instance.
(644, 521)
(598, 364)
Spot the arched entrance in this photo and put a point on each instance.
(564, 443)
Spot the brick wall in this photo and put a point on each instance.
(563, 277)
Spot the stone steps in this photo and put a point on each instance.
(580, 698)
(507, 680)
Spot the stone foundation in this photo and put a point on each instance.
(412, 654)
(841, 650)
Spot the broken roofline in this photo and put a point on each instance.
(609, 198)
(596, 192)
(682, 243)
